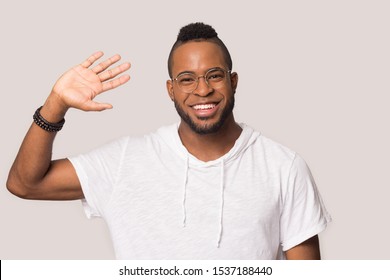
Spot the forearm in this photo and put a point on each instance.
(34, 157)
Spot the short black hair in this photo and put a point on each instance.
(198, 32)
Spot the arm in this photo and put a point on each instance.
(34, 175)
(307, 250)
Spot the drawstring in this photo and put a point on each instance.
(222, 189)
(185, 191)
(222, 204)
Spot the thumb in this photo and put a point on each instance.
(96, 106)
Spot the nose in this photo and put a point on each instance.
(202, 88)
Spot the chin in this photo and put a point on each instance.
(206, 128)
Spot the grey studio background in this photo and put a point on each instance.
(314, 76)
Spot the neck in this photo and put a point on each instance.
(207, 147)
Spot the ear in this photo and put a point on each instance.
(234, 81)
(170, 89)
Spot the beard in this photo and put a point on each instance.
(206, 128)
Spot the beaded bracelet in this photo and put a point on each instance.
(44, 124)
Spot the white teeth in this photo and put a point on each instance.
(203, 106)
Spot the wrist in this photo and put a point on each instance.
(54, 109)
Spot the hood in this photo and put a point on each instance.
(170, 136)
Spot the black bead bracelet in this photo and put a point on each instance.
(44, 124)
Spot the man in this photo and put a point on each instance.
(206, 188)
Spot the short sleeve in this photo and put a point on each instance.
(304, 214)
(97, 172)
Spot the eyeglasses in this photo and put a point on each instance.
(214, 78)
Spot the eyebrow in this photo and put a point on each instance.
(192, 72)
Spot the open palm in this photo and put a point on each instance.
(78, 87)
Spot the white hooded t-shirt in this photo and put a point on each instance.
(160, 202)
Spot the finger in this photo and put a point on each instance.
(90, 60)
(105, 64)
(116, 82)
(112, 73)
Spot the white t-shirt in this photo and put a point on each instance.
(160, 202)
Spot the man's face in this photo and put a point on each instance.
(206, 108)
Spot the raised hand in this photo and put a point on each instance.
(78, 87)
(34, 175)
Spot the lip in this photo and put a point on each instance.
(206, 112)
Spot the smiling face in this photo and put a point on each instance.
(206, 109)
